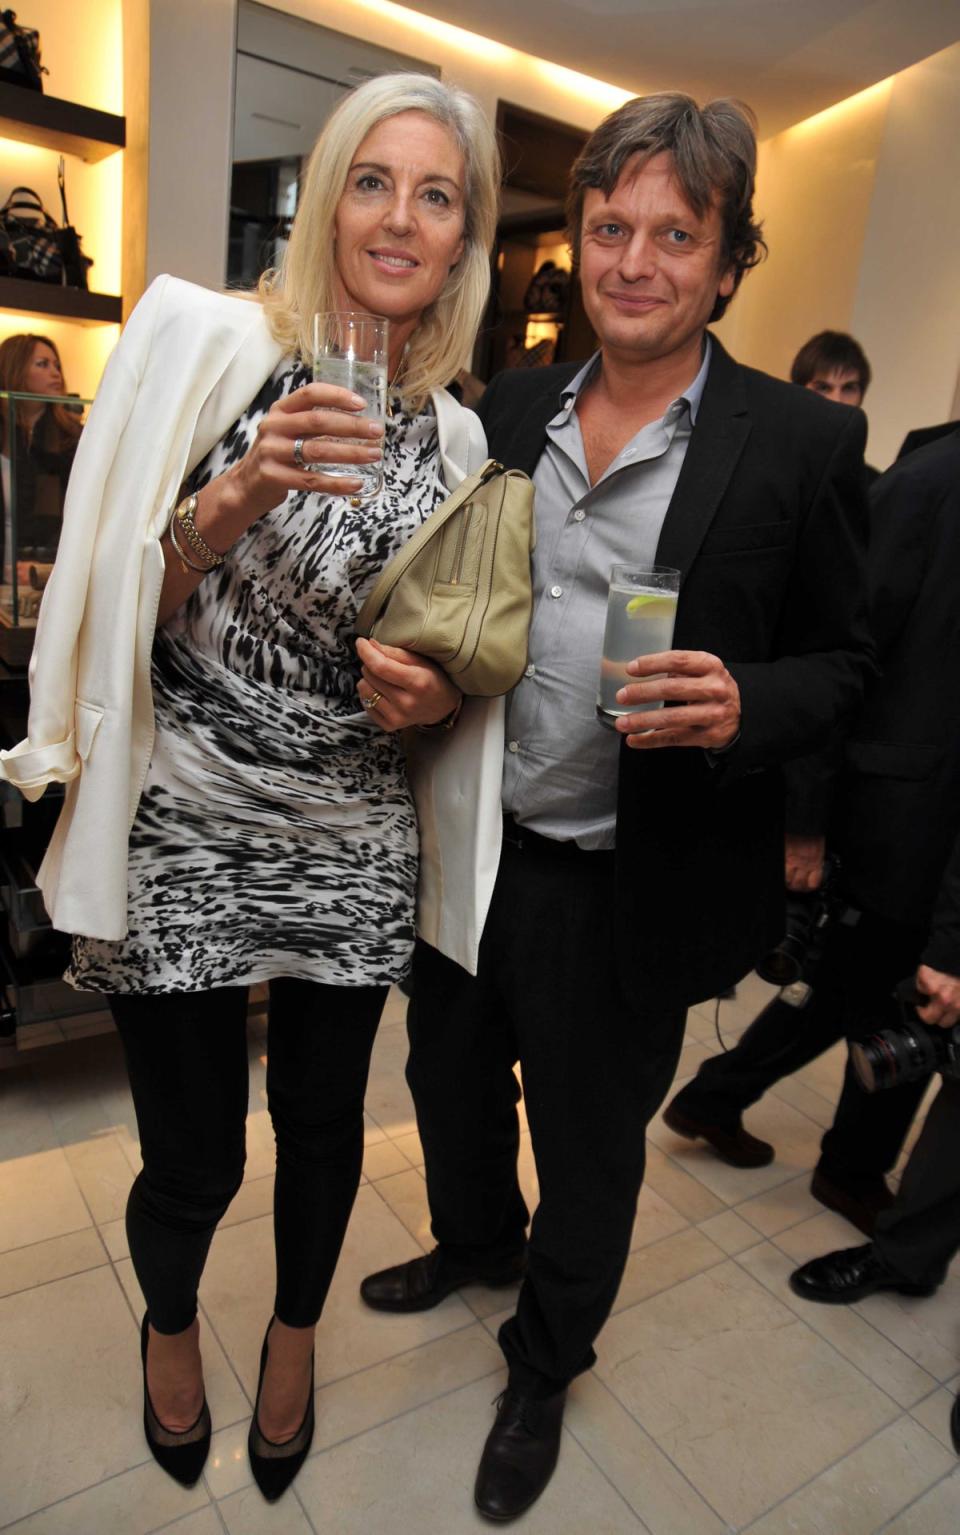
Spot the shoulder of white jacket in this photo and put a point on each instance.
(189, 298)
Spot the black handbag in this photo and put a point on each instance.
(20, 54)
(35, 246)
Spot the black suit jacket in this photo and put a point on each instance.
(897, 815)
(765, 525)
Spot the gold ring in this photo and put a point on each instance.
(372, 701)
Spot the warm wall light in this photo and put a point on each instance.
(598, 92)
(829, 116)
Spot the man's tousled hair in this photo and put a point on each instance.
(714, 152)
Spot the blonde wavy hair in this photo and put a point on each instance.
(305, 281)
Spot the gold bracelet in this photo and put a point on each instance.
(183, 516)
(186, 564)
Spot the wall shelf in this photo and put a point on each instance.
(49, 299)
(33, 118)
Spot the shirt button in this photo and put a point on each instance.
(556, 591)
(531, 670)
(513, 746)
(579, 514)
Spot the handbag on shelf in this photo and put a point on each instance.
(35, 246)
(459, 592)
(548, 291)
(20, 54)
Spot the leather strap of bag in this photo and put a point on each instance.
(392, 572)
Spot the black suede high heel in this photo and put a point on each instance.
(182, 1456)
(274, 1466)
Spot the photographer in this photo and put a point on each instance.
(894, 822)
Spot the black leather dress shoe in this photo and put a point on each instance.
(520, 1454)
(738, 1147)
(425, 1282)
(955, 1423)
(860, 1203)
(840, 1278)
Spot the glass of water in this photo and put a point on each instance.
(641, 609)
(350, 350)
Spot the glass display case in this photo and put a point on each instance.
(38, 439)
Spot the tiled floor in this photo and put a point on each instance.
(719, 1402)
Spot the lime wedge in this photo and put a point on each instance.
(651, 605)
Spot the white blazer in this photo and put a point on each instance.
(187, 366)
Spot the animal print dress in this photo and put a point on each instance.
(276, 834)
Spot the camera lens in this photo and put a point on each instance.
(892, 1056)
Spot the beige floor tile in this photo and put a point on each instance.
(57, 1258)
(26, 1128)
(807, 1099)
(641, 1473)
(866, 1488)
(372, 1132)
(70, 1392)
(384, 1158)
(933, 1514)
(204, 1522)
(487, 1301)
(238, 1286)
(102, 1173)
(934, 1413)
(747, 1401)
(114, 1234)
(135, 1503)
(885, 1364)
(227, 1401)
(825, 1074)
(246, 1513)
(360, 1402)
(678, 1188)
(261, 1146)
(411, 1148)
(926, 1329)
(665, 1263)
(777, 1209)
(254, 1198)
(394, 1010)
(388, 1097)
(655, 1218)
(823, 1233)
(228, 1466)
(730, 1233)
(796, 1138)
(416, 1474)
(39, 1199)
(406, 1195)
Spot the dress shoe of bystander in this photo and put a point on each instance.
(520, 1454)
(852, 1273)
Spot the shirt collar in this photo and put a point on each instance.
(692, 395)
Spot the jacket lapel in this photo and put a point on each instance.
(522, 449)
(716, 443)
(255, 356)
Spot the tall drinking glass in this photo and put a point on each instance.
(641, 608)
(350, 350)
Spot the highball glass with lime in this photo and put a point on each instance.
(641, 609)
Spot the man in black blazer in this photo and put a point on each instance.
(898, 817)
(642, 874)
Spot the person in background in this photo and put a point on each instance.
(42, 454)
(641, 867)
(196, 673)
(834, 366)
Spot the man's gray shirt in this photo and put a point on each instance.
(560, 763)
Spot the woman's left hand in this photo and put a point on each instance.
(407, 689)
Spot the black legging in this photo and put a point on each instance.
(187, 1059)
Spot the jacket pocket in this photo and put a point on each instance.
(749, 538)
(892, 759)
(87, 719)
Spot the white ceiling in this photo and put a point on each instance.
(787, 58)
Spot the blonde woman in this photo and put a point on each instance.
(251, 740)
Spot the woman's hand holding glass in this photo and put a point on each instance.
(318, 422)
(399, 688)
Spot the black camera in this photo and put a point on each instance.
(907, 1052)
(808, 916)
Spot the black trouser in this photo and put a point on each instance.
(851, 997)
(596, 1065)
(187, 1059)
(920, 1233)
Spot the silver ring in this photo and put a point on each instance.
(372, 701)
(298, 457)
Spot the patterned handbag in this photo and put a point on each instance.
(20, 54)
(35, 246)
